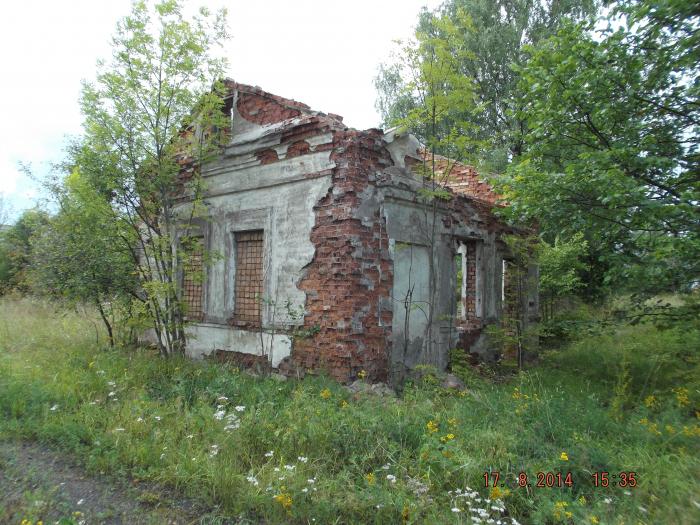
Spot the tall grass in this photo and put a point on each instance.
(310, 452)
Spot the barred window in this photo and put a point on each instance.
(192, 277)
(249, 278)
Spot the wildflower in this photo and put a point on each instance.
(269, 454)
(431, 426)
(80, 501)
(343, 404)
(214, 450)
(305, 490)
(628, 493)
(607, 501)
(219, 414)
(594, 520)
(139, 420)
(222, 399)
(651, 401)
(119, 429)
(157, 418)
(448, 437)
(644, 421)
(362, 374)
(325, 393)
(681, 396)
(370, 478)
(564, 456)
(452, 422)
(670, 429)
(111, 394)
(252, 480)
(284, 499)
(582, 500)
(391, 478)
(240, 408)
(455, 510)
(495, 493)
(111, 383)
(303, 459)
(53, 408)
(386, 467)
(289, 467)
(189, 436)
(311, 481)
(162, 456)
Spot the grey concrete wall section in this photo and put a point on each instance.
(278, 198)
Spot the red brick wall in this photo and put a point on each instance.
(351, 270)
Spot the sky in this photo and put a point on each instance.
(324, 53)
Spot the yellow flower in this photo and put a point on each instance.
(452, 422)
(564, 456)
(568, 514)
(448, 437)
(594, 520)
(681, 396)
(650, 401)
(285, 500)
(495, 493)
(644, 421)
(325, 393)
(343, 404)
(370, 478)
(670, 429)
(431, 426)
(582, 500)
(362, 374)
(654, 429)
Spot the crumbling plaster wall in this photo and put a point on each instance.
(245, 190)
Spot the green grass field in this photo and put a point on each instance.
(264, 451)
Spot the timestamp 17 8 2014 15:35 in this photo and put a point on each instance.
(602, 479)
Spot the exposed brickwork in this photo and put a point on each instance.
(192, 285)
(351, 273)
(249, 278)
(301, 147)
(267, 156)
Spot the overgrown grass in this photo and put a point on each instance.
(308, 452)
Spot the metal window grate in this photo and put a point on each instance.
(249, 278)
(192, 277)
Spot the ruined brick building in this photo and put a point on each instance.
(324, 248)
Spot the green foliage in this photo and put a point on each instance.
(16, 250)
(152, 118)
(612, 146)
(485, 39)
(126, 413)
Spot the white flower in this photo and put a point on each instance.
(303, 459)
(628, 493)
(269, 454)
(222, 398)
(53, 408)
(214, 450)
(80, 501)
(642, 509)
(386, 467)
(111, 394)
(219, 414)
(162, 456)
(101, 372)
(189, 436)
(253, 480)
(119, 430)
(455, 509)
(391, 478)
(607, 500)
(305, 490)
(157, 418)
(289, 467)
(240, 408)
(311, 481)
(139, 420)
(93, 402)
(281, 478)
(276, 469)
(111, 383)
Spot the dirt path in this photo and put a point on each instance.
(37, 483)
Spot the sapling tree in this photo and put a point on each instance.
(153, 116)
